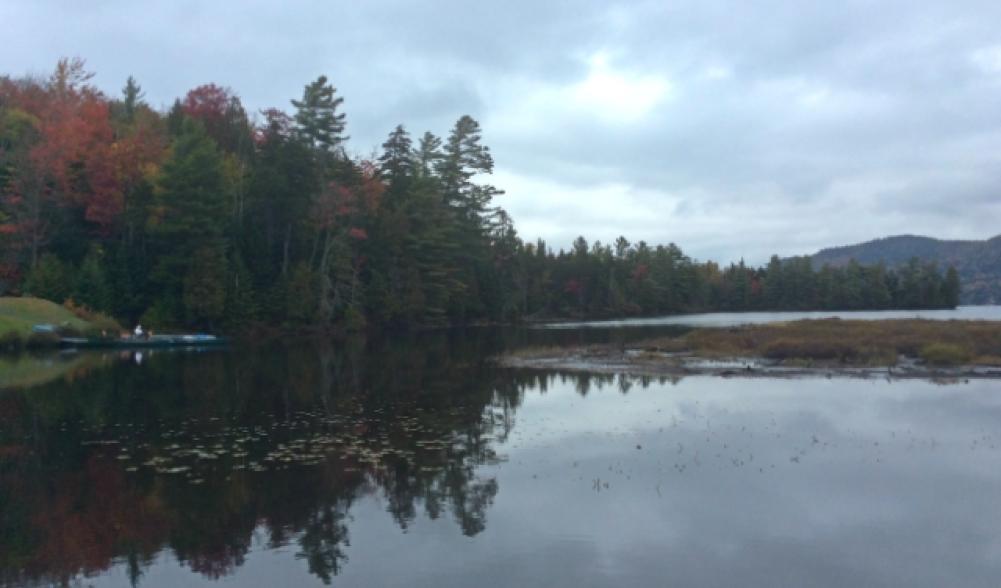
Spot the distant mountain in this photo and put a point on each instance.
(978, 262)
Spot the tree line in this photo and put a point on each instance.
(206, 216)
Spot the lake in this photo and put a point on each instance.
(413, 460)
(732, 319)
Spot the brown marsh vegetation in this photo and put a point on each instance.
(845, 342)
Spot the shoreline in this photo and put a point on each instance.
(891, 348)
(681, 365)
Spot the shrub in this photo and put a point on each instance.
(99, 321)
(944, 354)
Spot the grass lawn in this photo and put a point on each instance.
(19, 315)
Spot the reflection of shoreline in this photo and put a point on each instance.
(370, 444)
(28, 370)
(192, 453)
(676, 367)
(300, 490)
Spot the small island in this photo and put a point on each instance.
(830, 347)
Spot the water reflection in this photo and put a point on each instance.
(413, 460)
(196, 451)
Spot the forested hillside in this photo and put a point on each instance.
(209, 216)
(978, 262)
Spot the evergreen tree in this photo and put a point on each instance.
(428, 155)
(317, 118)
(49, 279)
(92, 288)
(189, 218)
(774, 284)
(464, 157)
(132, 97)
(282, 187)
(126, 276)
(396, 164)
(950, 288)
(205, 287)
(175, 119)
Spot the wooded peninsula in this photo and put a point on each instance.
(206, 216)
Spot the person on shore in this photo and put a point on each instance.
(138, 332)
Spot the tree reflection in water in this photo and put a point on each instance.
(198, 453)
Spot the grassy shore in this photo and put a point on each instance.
(19, 315)
(846, 342)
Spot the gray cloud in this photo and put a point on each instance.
(732, 128)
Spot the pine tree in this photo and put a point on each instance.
(283, 184)
(175, 119)
(428, 155)
(92, 288)
(317, 118)
(396, 164)
(464, 157)
(189, 216)
(470, 217)
(191, 203)
(132, 97)
(126, 274)
(205, 287)
(49, 279)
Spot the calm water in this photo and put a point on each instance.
(413, 461)
(731, 319)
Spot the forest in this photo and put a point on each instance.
(211, 217)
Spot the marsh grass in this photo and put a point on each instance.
(845, 342)
(945, 354)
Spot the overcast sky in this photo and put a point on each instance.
(735, 129)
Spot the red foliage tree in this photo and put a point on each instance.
(67, 160)
(207, 103)
(372, 187)
(220, 110)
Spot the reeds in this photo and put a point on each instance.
(848, 342)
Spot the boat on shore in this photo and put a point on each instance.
(180, 340)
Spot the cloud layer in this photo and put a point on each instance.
(735, 130)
